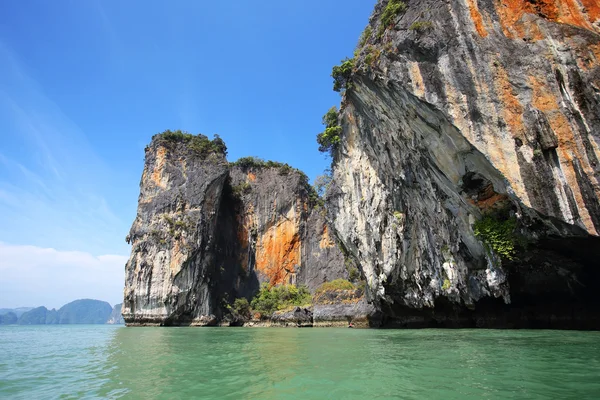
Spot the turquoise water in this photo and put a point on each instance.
(72, 362)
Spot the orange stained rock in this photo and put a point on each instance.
(512, 109)
(326, 241)
(562, 11)
(589, 56)
(488, 199)
(568, 144)
(545, 100)
(417, 79)
(476, 17)
(159, 166)
(593, 9)
(251, 176)
(178, 257)
(278, 251)
(542, 98)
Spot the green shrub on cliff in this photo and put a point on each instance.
(342, 75)
(421, 26)
(330, 137)
(339, 291)
(247, 163)
(499, 235)
(200, 144)
(272, 298)
(338, 284)
(391, 11)
(241, 189)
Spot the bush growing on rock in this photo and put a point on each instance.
(391, 11)
(339, 291)
(338, 284)
(272, 298)
(342, 75)
(498, 235)
(330, 137)
(421, 26)
(247, 163)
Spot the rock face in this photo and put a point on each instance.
(172, 264)
(207, 233)
(115, 317)
(463, 110)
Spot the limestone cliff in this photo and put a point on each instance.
(171, 270)
(462, 111)
(208, 232)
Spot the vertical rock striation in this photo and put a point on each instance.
(462, 111)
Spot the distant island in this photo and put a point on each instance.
(84, 311)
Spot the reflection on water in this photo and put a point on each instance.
(230, 363)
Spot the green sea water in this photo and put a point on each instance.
(74, 362)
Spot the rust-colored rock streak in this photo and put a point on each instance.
(476, 17)
(158, 176)
(278, 251)
(563, 11)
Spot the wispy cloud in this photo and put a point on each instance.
(34, 276)
(52, 184)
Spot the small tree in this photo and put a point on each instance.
(330, 137)
(218, 145)
(342, 75)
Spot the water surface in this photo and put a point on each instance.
(240, 363)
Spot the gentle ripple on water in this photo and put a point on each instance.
(73, 362)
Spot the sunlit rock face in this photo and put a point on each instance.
(207, 233)
(462, 109)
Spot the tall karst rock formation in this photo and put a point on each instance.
(465, 117)
(465, 182)
(208, 232)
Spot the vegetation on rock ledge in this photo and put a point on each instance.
(421, 26)
(339, 291)
(338, 284)
(200, 144)
(258, 163)
(391, 11)
(273, 298)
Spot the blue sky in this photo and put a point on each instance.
(85, 84)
